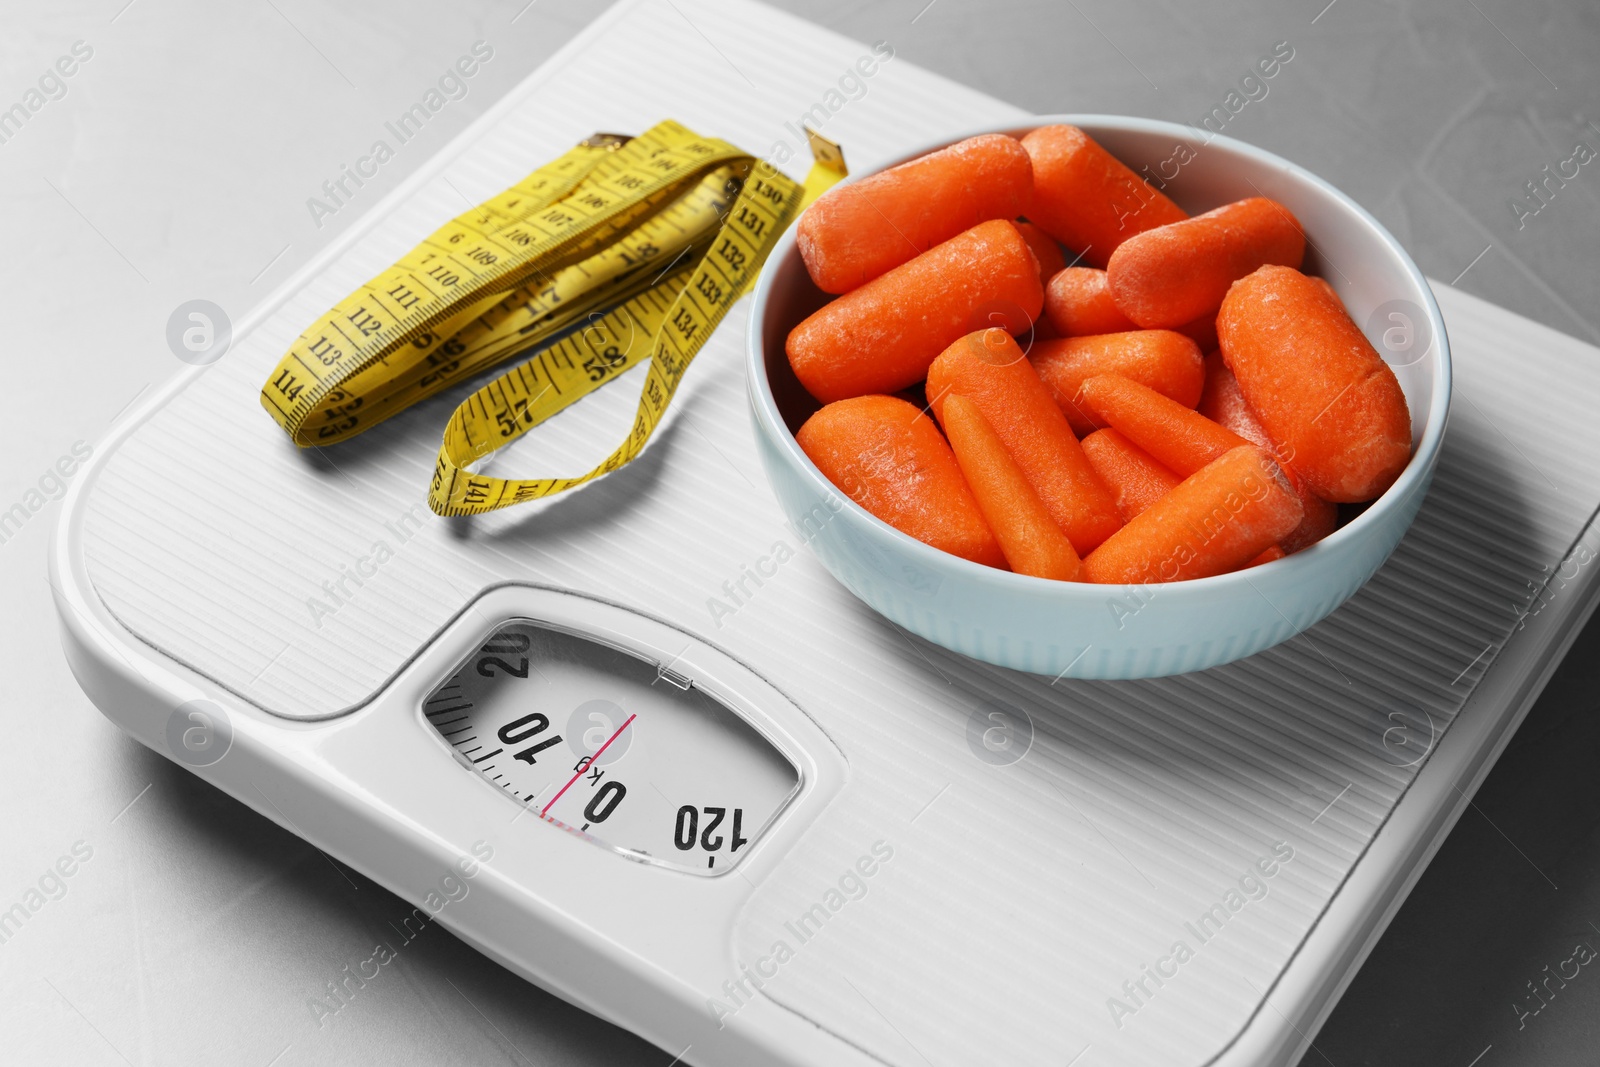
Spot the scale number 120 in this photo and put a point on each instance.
(690, 832)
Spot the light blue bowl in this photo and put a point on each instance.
(1122, 631)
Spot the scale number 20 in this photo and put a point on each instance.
(688, 832)
(505, 645)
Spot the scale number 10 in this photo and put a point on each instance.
(689, 832)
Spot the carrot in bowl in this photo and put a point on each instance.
(1223, 403)
(1029, 537)
(1088, 199)
(888, 456)
(1045, 250)
(1180, 439)
(988, 368)
(1077, 301)
(1216, 520)
(882, 337)
(1134, 478)
(1163, 360)
(860, 230)
(1315, 382)
(1170, 276)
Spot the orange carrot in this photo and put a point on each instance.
(1084, 197)
(1078, 302)
(1180, 439)
(886, 456)
(1165, 361)
(1223, 403)
(1271, 554)
(857, 231)
(1134, 478)
(1029, 537)
(882, 336)
(989, 369)
(1316, 384)
(1216, 520)
(1173, 275)
(1045, 250)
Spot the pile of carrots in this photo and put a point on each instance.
(1190, 403)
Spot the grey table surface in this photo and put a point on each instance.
(175, 163)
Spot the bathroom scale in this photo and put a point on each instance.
(700, 790)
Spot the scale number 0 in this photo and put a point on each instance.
(605, 801)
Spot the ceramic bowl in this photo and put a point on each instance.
(1124, 631)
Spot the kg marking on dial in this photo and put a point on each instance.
(590, 738)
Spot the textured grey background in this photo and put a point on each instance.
(177, 166)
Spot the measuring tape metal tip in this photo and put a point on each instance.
(826, 153)
(606, 140)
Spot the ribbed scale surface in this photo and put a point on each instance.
(1021, 897)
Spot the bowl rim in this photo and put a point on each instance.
(1412, 478)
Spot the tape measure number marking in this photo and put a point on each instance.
(667, 229)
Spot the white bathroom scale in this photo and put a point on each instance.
(703, 792)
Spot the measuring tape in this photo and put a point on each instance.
(666, 230)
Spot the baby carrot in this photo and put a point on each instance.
(882, 336)
(1163, 360)
(1316, 384)
(1045, 250)
(1178, 438)
(1029, 537)
(1136, 480)
(1224, 404)
(1216, 520)
(857, 231)
(1170, 276)
(882, 453)
(1078, 302)
(1084, 197)
(1271, 554)
(989, 369)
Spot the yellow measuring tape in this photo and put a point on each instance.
(636, 247)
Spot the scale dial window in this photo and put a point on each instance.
(629, 754)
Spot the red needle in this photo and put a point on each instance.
(586, 766)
